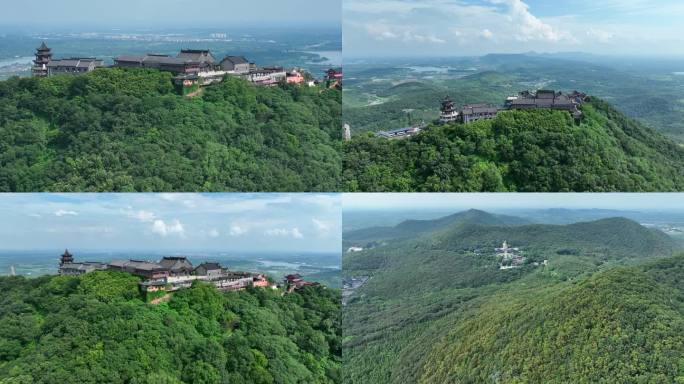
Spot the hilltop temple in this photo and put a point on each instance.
(169, 274)
(44, 65)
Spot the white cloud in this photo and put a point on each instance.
(214, 233)
(283, 232)
(36, 215)
(161, 228)
(62, 212)
(600, 35)
(528, 26)
(236, 230)
(486, 33)
(144, 216)
(321, 225)
(380, 31)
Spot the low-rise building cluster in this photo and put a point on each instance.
(168, 274)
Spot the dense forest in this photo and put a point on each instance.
(437, 308)
(540, 150)
(96, 329)
(130, 130)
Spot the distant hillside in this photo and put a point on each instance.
(540, 150)
(129, 130)
(412, 228)
(437, 308)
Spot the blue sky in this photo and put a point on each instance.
(404, 28)
(668, 202)
(170, 13)
(182, 222)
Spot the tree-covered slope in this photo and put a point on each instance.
(423, 289)
(620, 326)
(129, 130)
(96, 329)
(540, 150)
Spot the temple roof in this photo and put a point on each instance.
(43, 47)
(209, 266)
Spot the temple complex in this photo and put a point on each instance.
(192, 68)
(509, 257)
(169, 274)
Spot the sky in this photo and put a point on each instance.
(667, 202)
(407, 28)
(266, 222)
(169, 13)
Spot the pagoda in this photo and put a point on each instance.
(43, 57)
(448, 111)
(66, 258)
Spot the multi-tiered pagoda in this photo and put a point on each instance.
(66, 258)
(448, 111)
(40, 64)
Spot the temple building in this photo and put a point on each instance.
(177, 265)
(236, 64)
(66, 258)
(73, 66)
(67, 265)
(175, 65)
(145, 269)
(202, 56)
(43, 57)
(448, 112)
(209, 269)
(548, 99)
(474, 112)
(45, 66)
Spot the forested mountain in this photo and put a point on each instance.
(412, 228)
(130, 130)
(437, 307)
(96, 329)
(537, 150)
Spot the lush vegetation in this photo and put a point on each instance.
(130, 130)
(540, 150)
(97, 329)
(437, 308)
